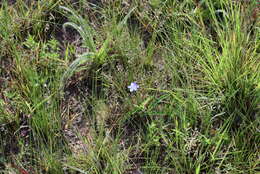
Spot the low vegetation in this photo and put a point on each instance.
(129, 87)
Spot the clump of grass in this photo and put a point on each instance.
(98, 56)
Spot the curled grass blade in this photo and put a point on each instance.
(74, 66)
(84, 29)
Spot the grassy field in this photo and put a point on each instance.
(130, 87)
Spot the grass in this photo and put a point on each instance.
(64, 102)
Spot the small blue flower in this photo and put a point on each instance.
(133, 87)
